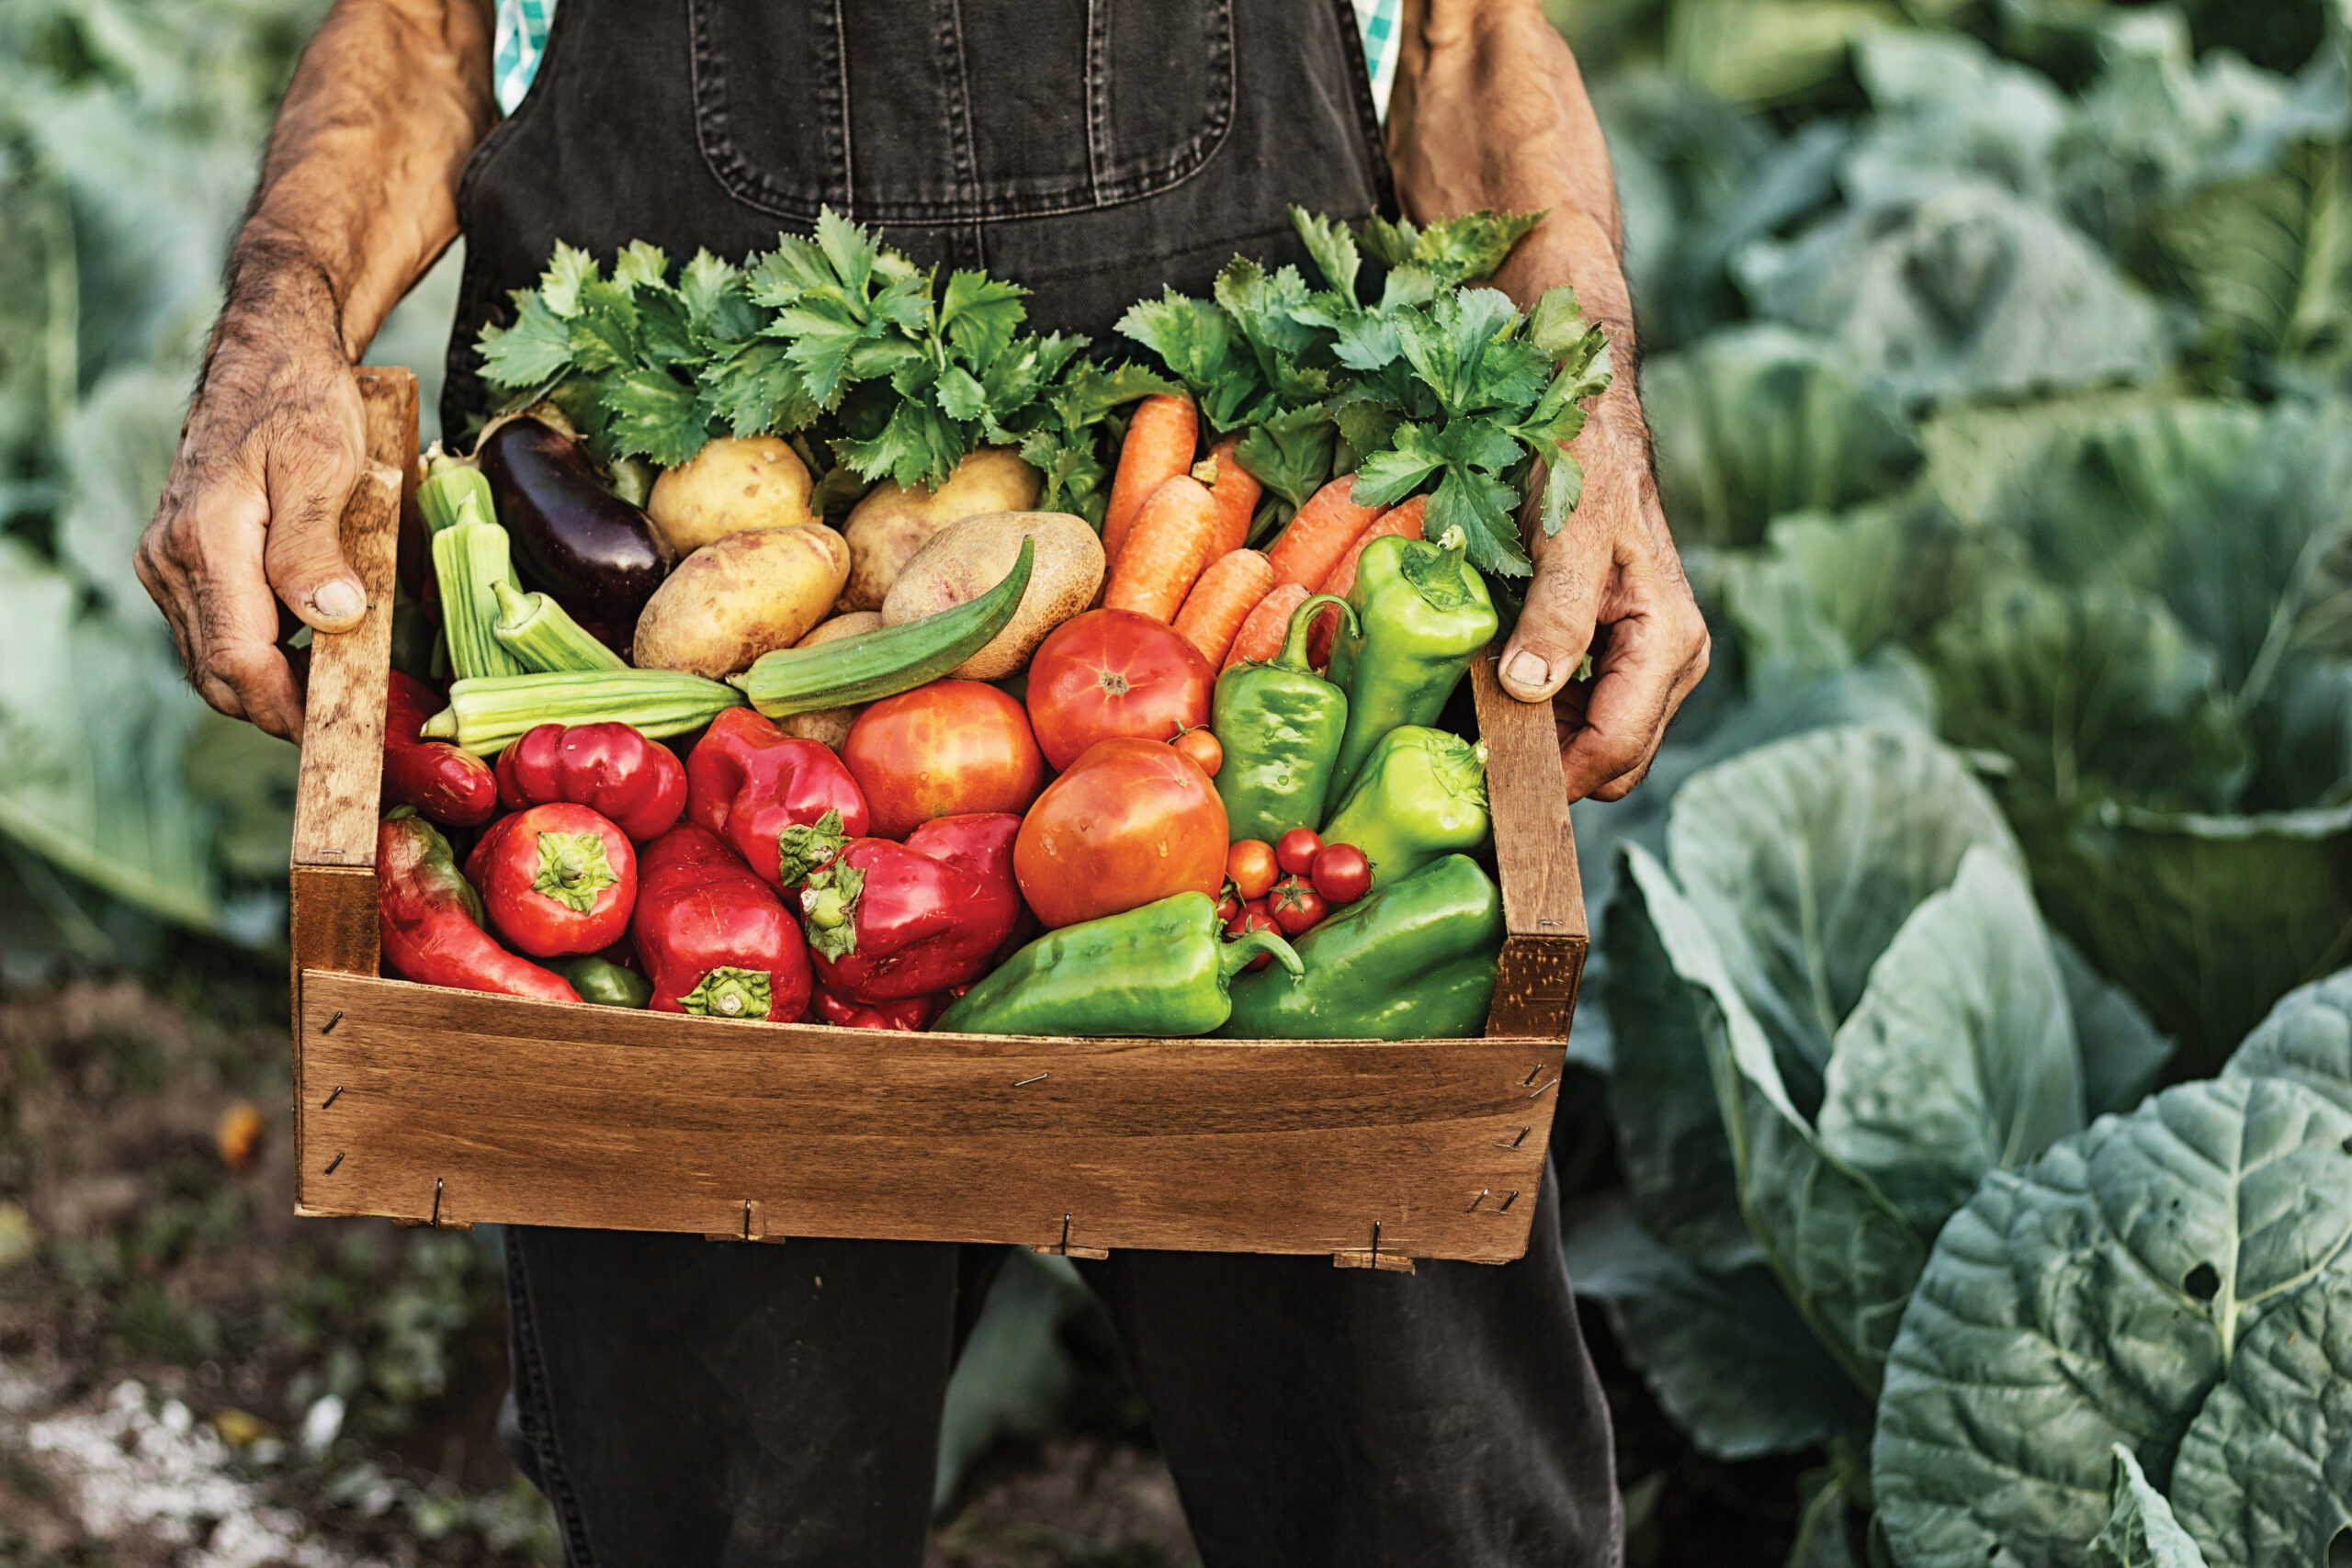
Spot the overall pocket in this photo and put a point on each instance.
(947, 111)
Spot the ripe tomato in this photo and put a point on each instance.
(1295, 905)
(1341, 873)
(1254, 917)
(1129, 823)
(1206, 749)
(1111, 673)
(1251, 865)
(942, 749)
(1295, 851)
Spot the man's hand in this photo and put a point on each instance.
(1490, 112)
(273, 443)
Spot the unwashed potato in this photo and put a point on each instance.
(735, 599)
(831, 724)
(965, 560)
(891, 525)
(732, 484)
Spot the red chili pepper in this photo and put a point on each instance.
(436, 778)
(713, 937)
(889, 921)
(908, 1014)
(429, 919)
(559, 879)
(637, 785)
(770, 796)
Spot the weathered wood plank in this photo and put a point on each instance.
(1543, 914)
(543, 1113)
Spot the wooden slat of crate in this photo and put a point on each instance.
(535, 1113)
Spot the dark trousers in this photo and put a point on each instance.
(684, 1402)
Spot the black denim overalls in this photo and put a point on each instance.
(685, 1403)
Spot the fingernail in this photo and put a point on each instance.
(1527, 669)
(339, 599)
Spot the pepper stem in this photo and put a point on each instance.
(573, 868)
(1234, 955)
(1293, 653)
(728, 992)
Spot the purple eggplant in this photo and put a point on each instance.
(574, 540)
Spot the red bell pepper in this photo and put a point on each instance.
(434, 777)
(637, 785)
(713, 937)
(429, 919)
(559, 879)
(770, 796)
(908, 1015)
(888, 920)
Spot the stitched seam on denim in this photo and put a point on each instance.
(541, 1433)
(839, 117)
(1098, 94)
(714, 137)
(956, 106)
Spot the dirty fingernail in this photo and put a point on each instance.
(1526, 669)
(338, 598)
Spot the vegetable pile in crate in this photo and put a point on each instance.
(808, 643)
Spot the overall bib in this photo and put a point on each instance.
(685, 1403)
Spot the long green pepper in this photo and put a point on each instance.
(1280, 724)
(1162, 970)
(1423, 614)
(1422, 794)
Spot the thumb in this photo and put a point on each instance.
(309, 481)
(1555, 629)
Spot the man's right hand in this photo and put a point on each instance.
(274, 442)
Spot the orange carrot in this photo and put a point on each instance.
(1161, 438)
(1404, 520)
(1167, 549)
(1320, 535)
(1222, 600)
(1237, 494)
(1262, 634)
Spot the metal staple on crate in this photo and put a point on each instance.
(329, 1100)
(328, 1027)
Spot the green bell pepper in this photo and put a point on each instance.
(1280, 724)
(1422, 794)
(601, 981)
(1415, 961)
(1164, 969)
(1423, 614)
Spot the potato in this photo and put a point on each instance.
(831, 724)
(731, 484)
(966, 559)
(734, 599)
(891, 525)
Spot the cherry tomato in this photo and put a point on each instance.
(1206, 752)
(1250, 864)
(1111, 673)
(1254, 916)
(1341, 873)
(1130, 822)
(942, 749)
(1227, 905)
(1295, 851)
(1295, 905)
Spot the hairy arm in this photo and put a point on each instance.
(1490, 111)
(357, 196)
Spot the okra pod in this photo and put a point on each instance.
(542, 636)
(469, 556)
(487, 715)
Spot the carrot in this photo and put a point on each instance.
(1262, 634)
(1320, 535)
(1236, 489)
(1161, 438)
(1222, 600)
(1404, 520)
(1167, 549)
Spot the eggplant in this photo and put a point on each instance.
(575, 541)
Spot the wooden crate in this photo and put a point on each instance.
(446, 1107)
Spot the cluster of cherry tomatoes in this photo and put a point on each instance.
(1288, 885)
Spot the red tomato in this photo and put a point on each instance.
(1250, 867)
(1131, 822)
(1229, 904)
(1206, 752)
(1295, 905)
(1341, 873)
(1295, 851)
(944, 749)
(1252, 918)
(1111, 673)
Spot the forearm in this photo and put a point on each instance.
(358, 188)
(1490, 111)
